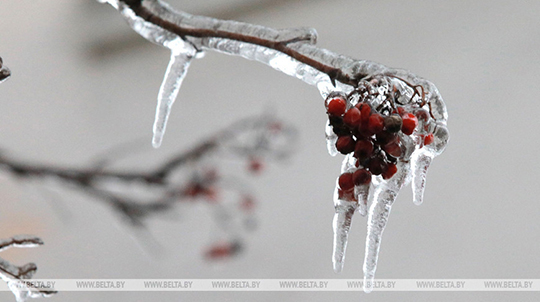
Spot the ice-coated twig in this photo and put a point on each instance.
(21, 241)
(294, 53)
(4, 71)
(17, 277)
(291, 51)
(13, 275)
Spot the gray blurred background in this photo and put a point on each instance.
(83, 82)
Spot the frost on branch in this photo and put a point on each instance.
(18, 277)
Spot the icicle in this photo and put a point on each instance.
(176, 71)
(341, 225)
(345, 205)
(383, 198)
(420, 164)
(362, 194)
(331, 139)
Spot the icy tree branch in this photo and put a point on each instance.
(389, 122)
(17, 277)
(291, 51)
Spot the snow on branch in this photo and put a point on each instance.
(388, 122)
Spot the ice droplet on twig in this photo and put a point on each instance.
(176, 71)
(420, 164)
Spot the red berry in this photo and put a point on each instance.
(400, 110)
(428, 139)
(255, 165)
(376, 123)
(345, 181)
(392, 123)
(352, 117)
(345, 144)
(365, 111)
(393, 149)
(247, 203)
(223, 250)
(363, 149)
(361, 177)
(383, 138)
(211, 194)
(422, 115)
(336, 107)
(409, 123)
(390, 171)
(347, 195)
(377, 166)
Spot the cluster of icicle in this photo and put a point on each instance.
(302, 40)
(412, 165)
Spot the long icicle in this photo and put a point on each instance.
(176, 71)
(383, 198)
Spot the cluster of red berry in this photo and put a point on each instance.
(372, 137)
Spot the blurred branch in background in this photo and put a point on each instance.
(139, 195)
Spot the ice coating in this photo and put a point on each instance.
(20, 241)
(301, 40)
(183, 51)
